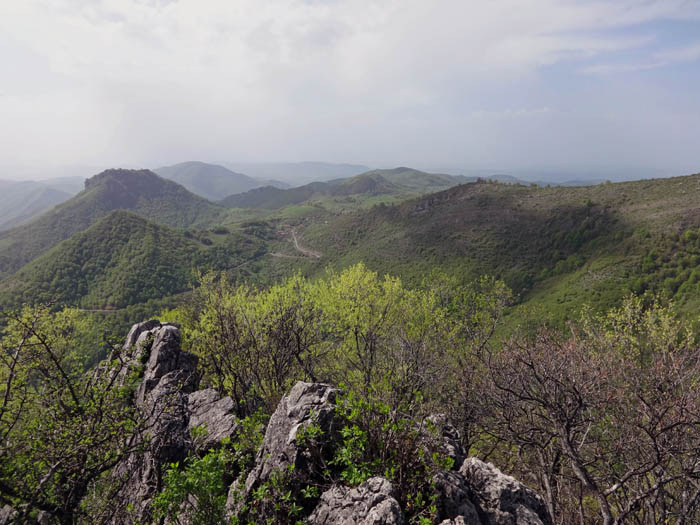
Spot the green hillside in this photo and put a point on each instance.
(398, 182)
(140, 191)
(416, 179)
(208, 180)
(558, 247)
(123, 260)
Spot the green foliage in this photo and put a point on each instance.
(378, 440)
(142, 191)
(120, 261)
(275, 502)
(195, 493)
(61, 428)
(369, 332)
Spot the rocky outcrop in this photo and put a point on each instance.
(501, 499)
(471, 493)
(371, 503)
(168, 400)
(306, 403)
(212, 413)
(168, 377)
(454, 499)
(167, 397)
(7, 515)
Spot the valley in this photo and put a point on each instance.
(132, 237)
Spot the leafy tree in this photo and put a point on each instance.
(254, 345)
(61, 428)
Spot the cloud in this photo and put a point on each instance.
(155, 80)
(659, 59)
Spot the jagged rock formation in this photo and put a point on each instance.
(371, 503)
(214, 414)
(454, 499)
(502, 499)
(279, 449)
(168, 398)
(471, 493)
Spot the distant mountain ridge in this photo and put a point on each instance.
(21, 201)
(140, 191)
(376, 182)
(298, 173)
(210, 181)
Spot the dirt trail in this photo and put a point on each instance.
(303, 250)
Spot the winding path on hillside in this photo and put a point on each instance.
(308, 252)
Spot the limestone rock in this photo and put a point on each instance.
(207, 409)
(502, 499)
(7, 515)
(162, 398)
(454, 499)
(305, 403)
(369, 504)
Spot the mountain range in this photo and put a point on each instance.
(131, 236)
(211, 181)
(400, 182)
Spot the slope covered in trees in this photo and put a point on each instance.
(558, 247)
(123, 260)
(140, 191)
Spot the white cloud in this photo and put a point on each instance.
(143, 80)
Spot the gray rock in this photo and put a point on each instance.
(162, 398)
(305, 403)
(215, 414)
(167, 359)
(44, 518)
(456, 521)
(137, 330)
(7, 515)
(369, 504)
(454, 499)
(501, 499)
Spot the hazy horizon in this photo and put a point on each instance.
(558, 88)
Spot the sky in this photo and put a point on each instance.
(596, 88)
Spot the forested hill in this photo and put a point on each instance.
(559, 247)
(400, 182)
(141, 191)
(122, 260)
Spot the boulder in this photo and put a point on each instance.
(453, 500)
(7, 515)
(305, 403)
(501, 499)
(371, 503)
(213, 413)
